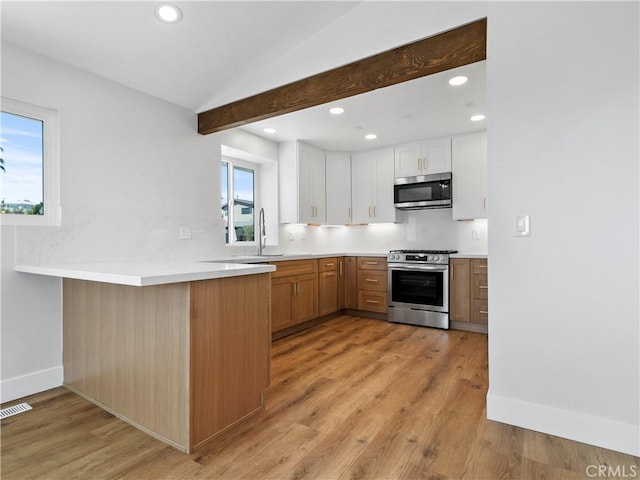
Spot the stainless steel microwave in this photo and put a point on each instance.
(423, 191)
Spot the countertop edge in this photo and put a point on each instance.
(177, 273)
(468, 255)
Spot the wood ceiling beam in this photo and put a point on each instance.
(451, 49)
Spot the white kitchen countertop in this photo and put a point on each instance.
(139, 274)
(290, 256)
(468, 255)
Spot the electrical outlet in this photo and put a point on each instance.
(475, 234)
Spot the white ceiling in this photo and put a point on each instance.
(220, 49)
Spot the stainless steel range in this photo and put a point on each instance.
(419, 287)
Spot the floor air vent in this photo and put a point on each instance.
(16, 409)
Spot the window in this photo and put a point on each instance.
(29, 171)
(238, 187)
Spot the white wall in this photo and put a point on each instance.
(563, 148)
(133, 171)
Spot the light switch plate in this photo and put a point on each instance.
(521, 226)
(185, 233)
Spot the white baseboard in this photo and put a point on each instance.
(18, 387)
(601, 432)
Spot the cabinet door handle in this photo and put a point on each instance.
(340, 267)
(349, 213)
(375, 213)
(295, 289)
(453, 272)
(369, 211)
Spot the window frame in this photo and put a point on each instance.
(51, 163)
(255, 168)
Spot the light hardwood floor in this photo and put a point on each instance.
(349, 399)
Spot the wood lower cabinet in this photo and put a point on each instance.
(304, 290)
(350, 283)
(372, 284)
(294, 293)
(181, 361)
(468, 294)
(327, 286)
(479, 291)
(459, 289)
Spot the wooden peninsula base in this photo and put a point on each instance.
(181, 361)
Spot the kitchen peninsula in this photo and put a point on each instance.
(180, 350)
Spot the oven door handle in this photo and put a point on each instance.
(417, 268)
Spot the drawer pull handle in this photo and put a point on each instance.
(372, 301)
(330, 274)
(329, 264)
(483, 266)
(485, 312)
(483, 286)
(371, 280)
(371, 263)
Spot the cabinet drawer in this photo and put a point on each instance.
(480, 311)
(327, 264)
(479, 288)
(372, 301)
(372, 263)
(294, 267)
(479, 265)
(372, 280)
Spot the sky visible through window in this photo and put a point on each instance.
(21, 182)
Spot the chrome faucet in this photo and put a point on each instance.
(262, 232)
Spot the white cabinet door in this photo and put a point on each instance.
(383, 208)
(361, 187)
(338, 187)
(436, 155)
(311, 176)
(423, 158)
(302, 185)
(372, 186)
(408, 160)
(469, 176)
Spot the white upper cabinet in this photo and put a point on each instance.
(469, 176)
(338, 187)
(372, 186)
(302, 183)
(423, 158)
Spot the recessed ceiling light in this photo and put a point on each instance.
(269, 130)
(371, 136)
(336, 110)
(168, 13)
(460, 80)
(477, 118)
